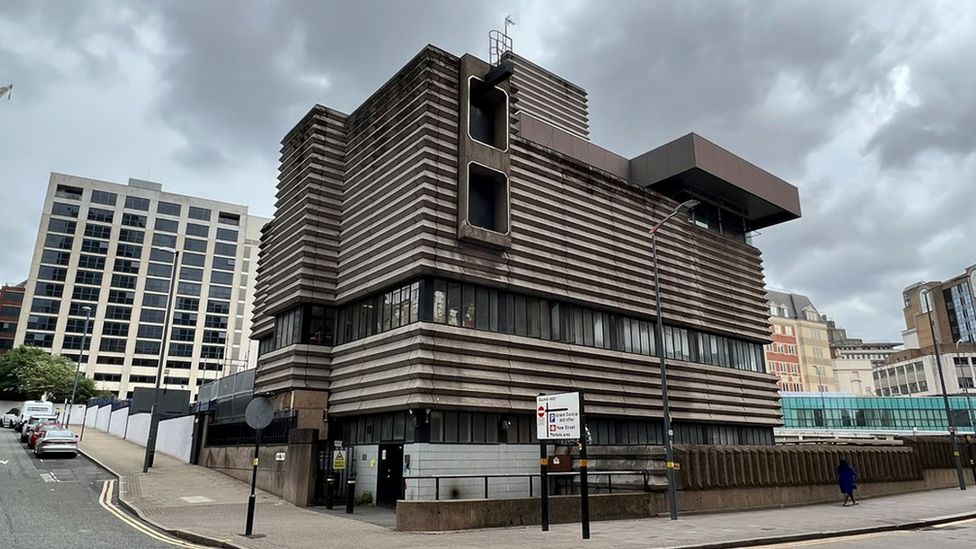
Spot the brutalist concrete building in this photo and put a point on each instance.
(456, 246)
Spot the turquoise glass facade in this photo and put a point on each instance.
(876, 413)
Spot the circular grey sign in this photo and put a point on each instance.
(259, 413)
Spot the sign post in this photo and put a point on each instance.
(543, 472)
(259, 413)
(560, 417)
(584, 481)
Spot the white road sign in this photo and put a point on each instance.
(558, 417)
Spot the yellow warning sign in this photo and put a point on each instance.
(339, 460)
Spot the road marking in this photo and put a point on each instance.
(49, 477)
(196, 499)
(958, 522)
(813, 542)
(105, 500)
(3, 462)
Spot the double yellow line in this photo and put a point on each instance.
(825, 541)
(105, 500)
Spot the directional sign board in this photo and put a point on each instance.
(558, 416)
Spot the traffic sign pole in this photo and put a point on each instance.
(584, 483)
(259, 413)
(544, 473)
(249, 527)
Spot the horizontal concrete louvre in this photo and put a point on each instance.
(572, 106)
(627, 248)
(552, 116)
(509, 371)
(304, 234)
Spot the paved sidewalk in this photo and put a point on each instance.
(159, 497)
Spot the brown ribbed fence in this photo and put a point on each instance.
(723, 467)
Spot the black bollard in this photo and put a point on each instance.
(330, 492)
(350, 495)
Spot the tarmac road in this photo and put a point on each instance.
(55, 502)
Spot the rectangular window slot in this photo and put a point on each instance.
(487, 198)
(488, 114)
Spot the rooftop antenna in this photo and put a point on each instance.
(4, 90)
(499, 42)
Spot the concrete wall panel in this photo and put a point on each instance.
(175, 437)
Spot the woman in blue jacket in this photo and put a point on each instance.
(847, 479)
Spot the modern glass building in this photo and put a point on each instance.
(876, 413)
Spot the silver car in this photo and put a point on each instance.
(10, 418)
(57, 441)
(32, 423)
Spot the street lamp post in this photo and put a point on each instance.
(659, 344)
(823, 401)
(965, 388)
(154, 416)
(945, 397)
(81, 357)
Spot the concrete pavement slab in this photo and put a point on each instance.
(160, 496)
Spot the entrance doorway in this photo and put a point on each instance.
(389, 484)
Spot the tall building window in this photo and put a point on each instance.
(71, 193)
(62, 226)
(167, 225)
(104, 197)
(58, 242)
(199, 213)
(65, 210)
(134, 220)
(100, 215)
(136, 203)
(168, 208)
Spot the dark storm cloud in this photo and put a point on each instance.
(767, 79)
(236, 79)
(941, 117)
(805, 89)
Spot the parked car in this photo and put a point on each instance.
(39, 431)
(25, 431)
(10, 418)
(57, 441)
(31, 408)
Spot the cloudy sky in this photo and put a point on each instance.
(868, 107)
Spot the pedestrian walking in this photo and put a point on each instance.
(847, 479)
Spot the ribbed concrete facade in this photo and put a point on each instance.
(388, 197)
(547, 97)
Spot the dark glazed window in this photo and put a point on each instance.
(134, 220)
(168, 208)
(58, 241)
(167, 225)
(488, 115)
(199, 213)
(100, 215)
(487, 198)
(62, 226)
(71, 193)
(136, 203)
(102, 197)
(194, 229)
(164, 241)
(64, 210)
(129, 235)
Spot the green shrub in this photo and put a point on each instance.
(366, 498)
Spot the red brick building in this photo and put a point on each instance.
(782, 358)
(11, 300)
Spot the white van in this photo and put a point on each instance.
(32, 408)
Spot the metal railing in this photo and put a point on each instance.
(593, 479)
